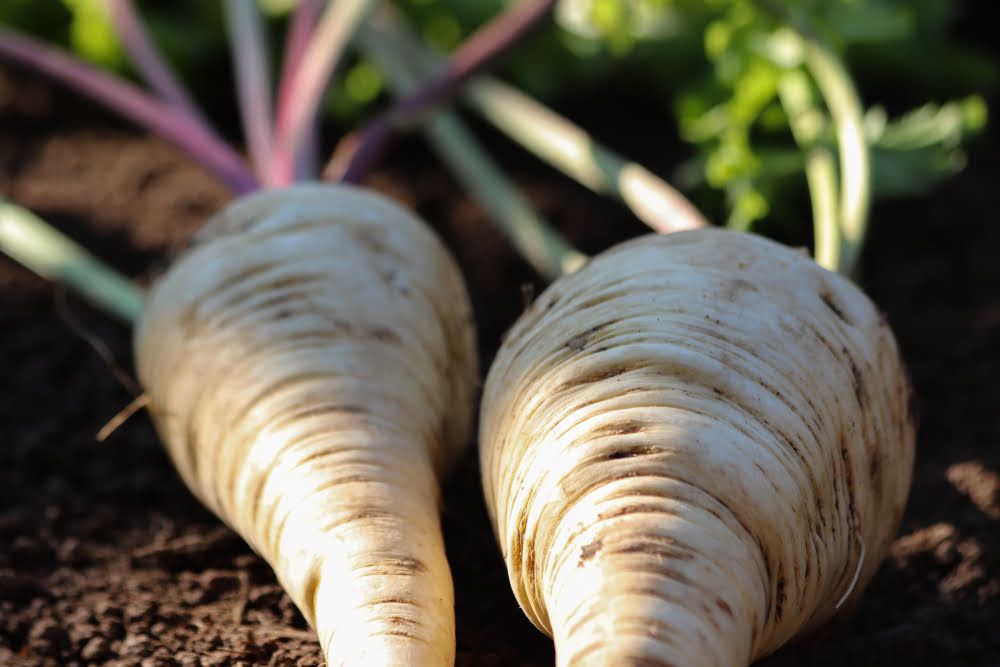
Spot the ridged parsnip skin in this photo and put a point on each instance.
(694, 449)
(311, 366)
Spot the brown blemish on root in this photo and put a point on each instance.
(371, 238)
(384, 335)
(734, 287)
(857, 384)
(393, 600)
(333, 409)
(310, 593)
(188, 320)
(626, 427)
(630, 452)
(779, 594)
(580, 341)
(388, 277)
(516, 553)
(529, 562)
(767, 576)
(192, 447)
(242, 276)
(724, 607)
(397, 632)
(352, 479)
(256, 494)
(398, 620)
(828, 300)
(397, 566)
(522, 527)
(663, 549)
(848, 478)
(295, 280)
(875, 472)
(598, 375)
(650, 662)
(638, 508)
(589, 551)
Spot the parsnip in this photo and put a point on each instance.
(311, 367)
(694, 449)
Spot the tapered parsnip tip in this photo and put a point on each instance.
(694, 449)
(311, 368)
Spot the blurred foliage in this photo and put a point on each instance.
(188, 31)
(728, 104)
(190, 34)
(92, 33)
(718, 66)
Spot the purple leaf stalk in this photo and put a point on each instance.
(147, 60)
(302, 162)
(358, 151)
(281, 145)
(177, 127)
(316, 45)
(251, 64)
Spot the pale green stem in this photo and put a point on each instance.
(847, 112)
(559, 142)
(570, 149)
(546, 251)
(543, 248)
(302, 96)
(821, 175)
(147, 60)
(806, 121)
(29, 240)
(302, 162)
(253, 83)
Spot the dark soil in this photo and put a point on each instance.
(106, 558)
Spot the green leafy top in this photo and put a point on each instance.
(730, 70)
(734, 109)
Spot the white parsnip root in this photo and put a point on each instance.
(311, 367)
(694, 449)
